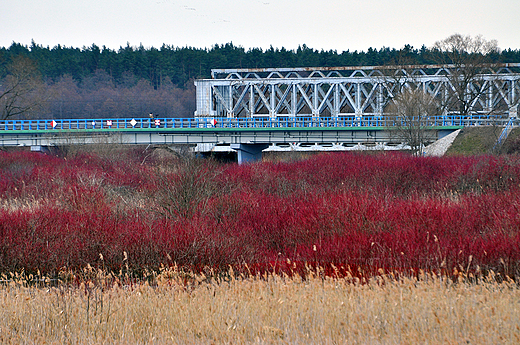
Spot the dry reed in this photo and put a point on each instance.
(264, 310)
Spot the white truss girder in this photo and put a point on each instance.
(347, 91)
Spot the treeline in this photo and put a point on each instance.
(180, 65)
(134, 81)
(99, 96)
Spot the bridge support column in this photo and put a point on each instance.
(40, 148)
(249, 152)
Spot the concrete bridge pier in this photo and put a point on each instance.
(40, 148)
(249, 152)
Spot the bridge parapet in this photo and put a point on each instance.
(216, 124)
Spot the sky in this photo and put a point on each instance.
(339, 25)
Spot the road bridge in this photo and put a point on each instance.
(246, 135)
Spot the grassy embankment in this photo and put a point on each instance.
(481, 140)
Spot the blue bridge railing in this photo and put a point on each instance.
(255, 122)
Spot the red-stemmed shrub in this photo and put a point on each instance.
(348, 213)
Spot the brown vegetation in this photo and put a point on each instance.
(269, 309)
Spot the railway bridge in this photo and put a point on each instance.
(359, 91)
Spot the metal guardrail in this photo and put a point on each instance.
(242, 123)
(505, 132)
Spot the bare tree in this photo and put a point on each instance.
(20, 91)
(412, 110)
(469, 57)
(408, 105)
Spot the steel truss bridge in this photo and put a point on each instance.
(352, 91)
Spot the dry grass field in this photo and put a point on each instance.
(269, 309)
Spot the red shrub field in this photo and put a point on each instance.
(348, 213)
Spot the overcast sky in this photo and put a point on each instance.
(331, 24)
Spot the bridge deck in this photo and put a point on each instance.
(225, 131)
